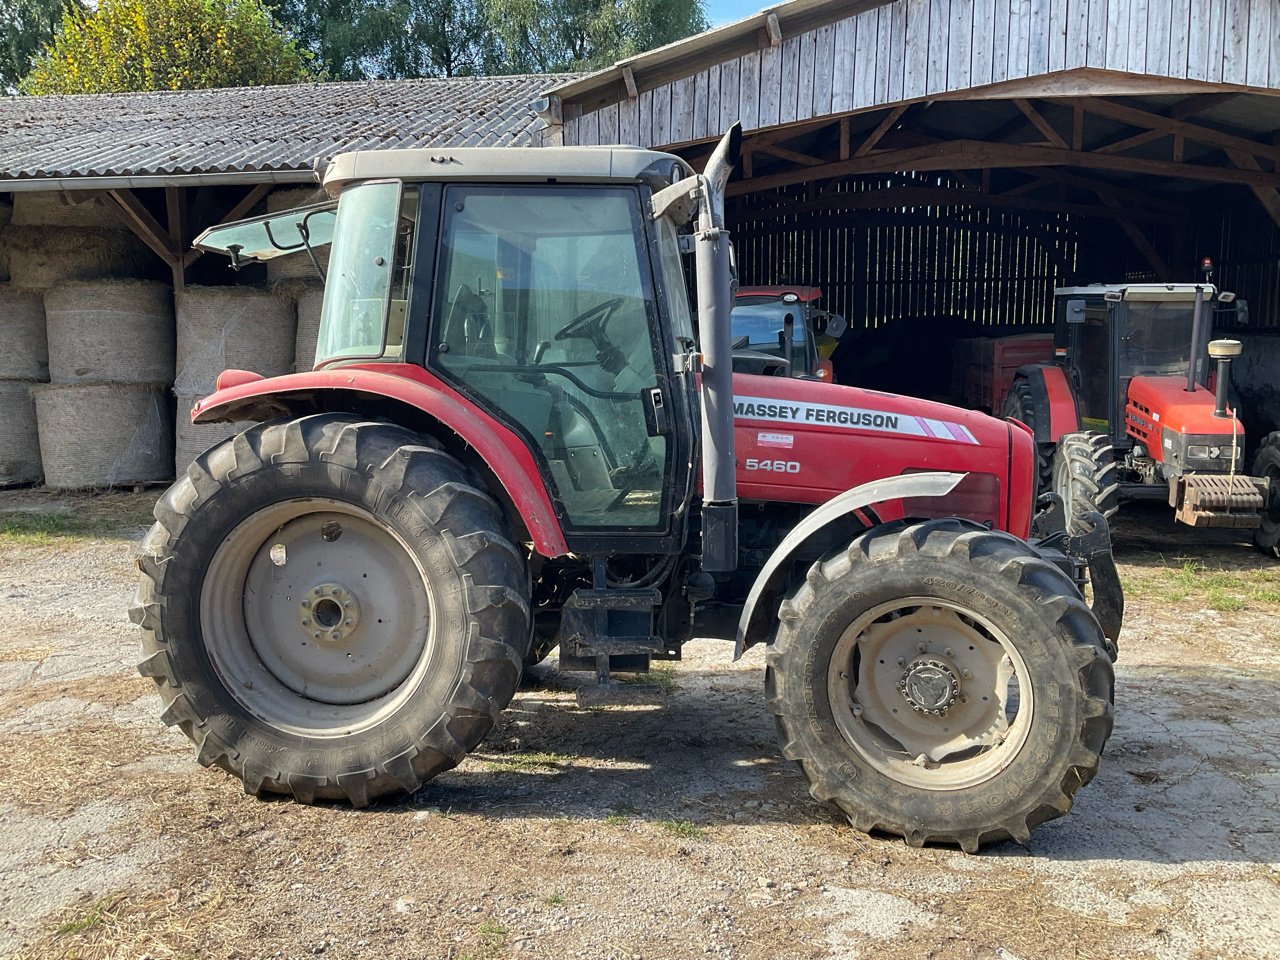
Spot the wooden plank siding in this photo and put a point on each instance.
(915, 49)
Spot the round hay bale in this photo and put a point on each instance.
(296, 266)
(40, 257)
(193, 439)
(221, 328)
(57, 209)
(104, 434)
(309, 301)
(110, 331)
(19, 441)
(24, 351)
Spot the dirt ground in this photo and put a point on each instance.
(665, 832)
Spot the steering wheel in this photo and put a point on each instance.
(590, 324)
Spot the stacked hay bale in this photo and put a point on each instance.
(308, 302)
(105, 419)
(221, 328)
(295, 266)
(6, 214)
(24, 362)
(50, 240)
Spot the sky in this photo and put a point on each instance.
(726, 11)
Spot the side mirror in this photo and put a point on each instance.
(1075, 311)
(1226, 296)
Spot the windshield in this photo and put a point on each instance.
(367, 289)
(759, 326)
(1155, 337)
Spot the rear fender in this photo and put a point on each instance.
(753, 626)
(1052, 399)
(409, 396)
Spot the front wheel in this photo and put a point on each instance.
(330, 609)
(1266, 536)
(1085, 476)
(942, 682)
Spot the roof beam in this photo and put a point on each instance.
(892, 117)
(1040, 123)
(1267, 196)
(1128, 143)
(773, 29)
(145, 226)
(1191, 131)
(1199, 103)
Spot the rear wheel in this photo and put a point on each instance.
(1267, 465)
(1086, 477)
(1019, 405)
(942, 682)
(331, 609)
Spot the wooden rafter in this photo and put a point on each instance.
(1144, 119)
(144, 225)
(1128, 143)
(885, 125)
(1041, 124)
(1199, 103)
(795, 156)
(1267, 196)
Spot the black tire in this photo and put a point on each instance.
(385, 706)
(1019, 405)
(954, 572)
(1266, 463)
(1085, 476)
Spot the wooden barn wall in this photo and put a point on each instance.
(913, 49)
(970, 269)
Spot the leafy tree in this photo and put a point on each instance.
(127, 45)
(545, 36)
(26, 27)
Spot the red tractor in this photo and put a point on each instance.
(784, 322)
(498, 451)
(1129, 409)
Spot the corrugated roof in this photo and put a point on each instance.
(267, 133)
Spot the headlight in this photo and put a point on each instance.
(1197, 451)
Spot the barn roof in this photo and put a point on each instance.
(251, 134)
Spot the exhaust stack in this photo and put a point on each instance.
(715, 301)
(1223, 352)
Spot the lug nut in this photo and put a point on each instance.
(967, 674)
(306, 622)
(306, 603)
(902, 662)
(921, 647)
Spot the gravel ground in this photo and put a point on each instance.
(660, 833)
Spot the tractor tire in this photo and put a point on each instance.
(330, 608)
(941, 682)
(1266, 536)
(1019, 405)
(1085, 476)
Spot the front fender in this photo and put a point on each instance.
(506, 454)
(751, 625)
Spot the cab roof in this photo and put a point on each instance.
(530, 164)
(1139, 291)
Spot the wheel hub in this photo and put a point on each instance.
(329, 612)
(929, 686)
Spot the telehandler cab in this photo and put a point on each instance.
(499, 451)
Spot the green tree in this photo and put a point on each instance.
(26, 27)
(127, 45)
(545, 36)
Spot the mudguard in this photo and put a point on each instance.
(1052, 399)
(751, 625)
(505, 454)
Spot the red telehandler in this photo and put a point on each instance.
(514, 438)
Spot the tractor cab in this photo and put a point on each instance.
(784, 323)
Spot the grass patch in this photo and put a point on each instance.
(683, 829)
(1224, 590)
(97, 915)
(553, 900)
(661, 675)
(543, 762)
(84, 516)
(615, 820)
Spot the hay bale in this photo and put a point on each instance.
(304, 350)
(19, 440)
(110, 331)
(40, 257)
(104, 434)
(295, 266)
(58, 209)
(193, 439)
(222, 328)
(24, 351)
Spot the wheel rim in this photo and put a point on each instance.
(930, 693)
(317, 618)
(1062, 487)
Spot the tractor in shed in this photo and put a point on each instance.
(516, 438)
(784, 323)
(1129, 408)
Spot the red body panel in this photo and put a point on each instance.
(1163, 402)
(802, 441)
(1062, 404)
(803, 294)
(505, 452)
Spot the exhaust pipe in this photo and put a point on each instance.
(1223, 351)
(715, 301)
(1197, 328)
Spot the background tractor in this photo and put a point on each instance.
(785, 322)
(514, 438)
(1130, 408)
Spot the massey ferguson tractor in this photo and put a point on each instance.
(515, 437)
(784, 322)
(1130, 409)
